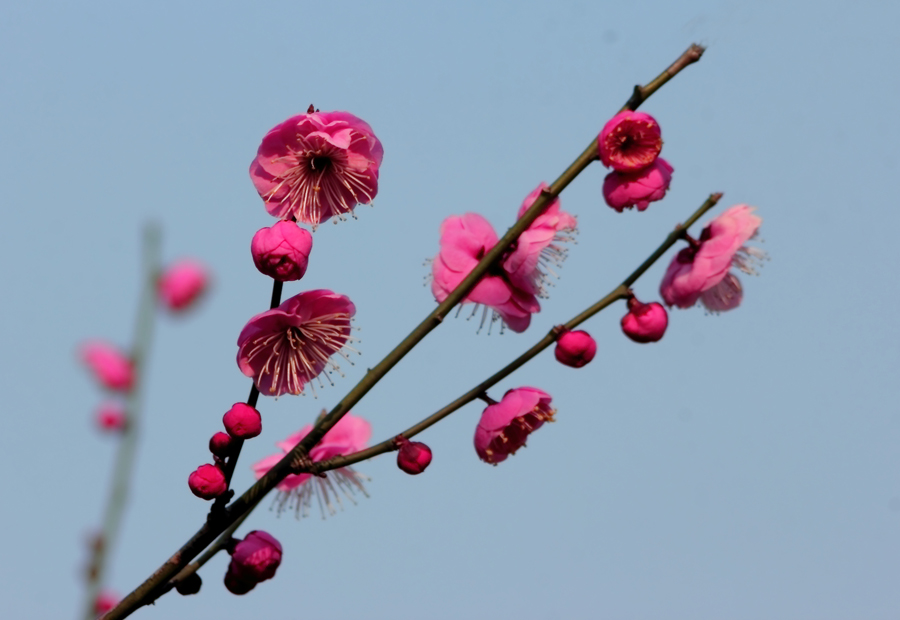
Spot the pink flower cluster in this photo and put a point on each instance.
(511, 288)
(702, 271)
(630, 143)
(241, 422)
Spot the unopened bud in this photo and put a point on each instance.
(207, 482)
(219, 444)
(282, 251)
(645, 322)
(413, 456)
(189, 585)
(243, 421)
(575, 349)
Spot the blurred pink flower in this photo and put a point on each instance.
(350, 434)
(645, 322)
(629, 141)
(282, 251)
(111, 417)
(702, 271)
(287, 347)
(111, 368)
(104, 602)
(505, 426)
(575, 349)
(182, 284)
(317, 165)
(253, 560)
(624, 190)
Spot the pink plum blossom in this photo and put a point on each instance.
(645, 322)
(282, 251)
(575, 349)
(287, 347)
(242, 421)
(413, 456)
(703, 270)
(505, 426)
(182, 284)
(111, 368)
(350, 434)
(253, 560)
(624, 190)
(207, 482)
(104, 602)
(111, 417)
(629, 141)
(464, 241)
(317, 165)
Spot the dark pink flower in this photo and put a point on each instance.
(350, 434)
(104, 602)
(287, 347)
(317, 165)
(111, 417)
(182, 284)
(207, 482)
(253, 560)
(505, 426)
(112, 368)
(645, 322)
(282, 251)
(624, 190)
(220, 444)
(413, 456)
(703, 270)
(242, 421)
(629, 141)
(575, 349)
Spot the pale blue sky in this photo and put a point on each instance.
(745, 467)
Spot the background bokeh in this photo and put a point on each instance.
(745, 467)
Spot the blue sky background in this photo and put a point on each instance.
(747, 466)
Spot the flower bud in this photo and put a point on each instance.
(189, 585)
(182, 284)
(104, 602)
(413, 456)
(236, 585)
(254, 559)
(111, 367)
(282, 251)
(624, 190)
(645, 322)
(219, 444)
(575, 349)
(242, 421)
(110, 417)
(207, 482)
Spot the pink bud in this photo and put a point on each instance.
(111, 417)
(104, 602)
(575, 349)
(254, 559)
(282, 251)
(111, 367)
(219, 444)
(182, 284)
(242, 421)
(624, 190)
(207, 482)
(645, 322)
(413, 456)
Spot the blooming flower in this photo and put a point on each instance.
(253, 560)
(575, 349)
(645, 322)
(629, 141)
(624, 190)
(350, 434)
(242, 421)
(182, 284)
(413, 456)
(702, 271)
(112, 369)
(505, 426)
(282, 251)
(286, 347)
(207, 482)
(111, 417)
(317, 165)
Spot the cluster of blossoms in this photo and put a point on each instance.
(241, 422)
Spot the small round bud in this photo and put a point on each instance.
(219, 444)
(104, 602)
(236, 585)
(645, 322)
(189, 585)
(575, 349)
(207, 482)
(111, 418)
(243, 421)
(254, 559)
(282, 251)
(182, 284)
(413, 456)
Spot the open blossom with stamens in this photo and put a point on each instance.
(317, 165)
(629, 141)
(350, 434)
(505, 426)
(703, 270)
(112, 368)
(287, 347)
